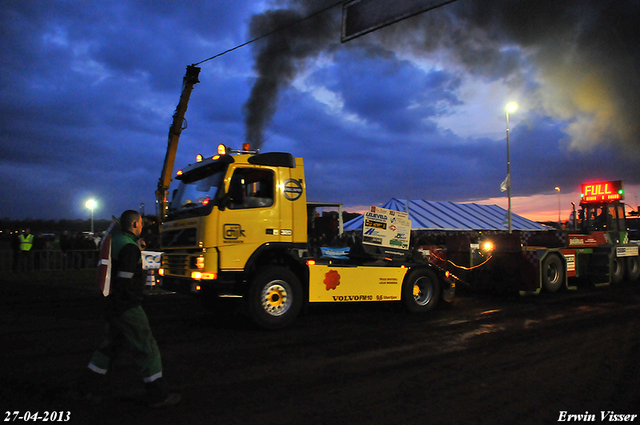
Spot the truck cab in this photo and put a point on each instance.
(230, 214)
(237, 227)
(609, 218)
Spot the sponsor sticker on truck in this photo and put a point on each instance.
(386, 228)
(626, 251)
(151, 260)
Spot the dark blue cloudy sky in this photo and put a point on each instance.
(415, 110)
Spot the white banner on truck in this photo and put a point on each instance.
(386, 228)
(151, 260)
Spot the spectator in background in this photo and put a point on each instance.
(75, 246)
(15, 248)
(26, 244)
(65, 245)
(89, 254)
(88, 243)
(39, 244)
(97, 237)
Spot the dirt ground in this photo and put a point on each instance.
(482, 360)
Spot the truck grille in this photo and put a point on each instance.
(179, 238)
(175, 264)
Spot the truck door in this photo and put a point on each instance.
(617, 227)
(250, 218)
(617, 211)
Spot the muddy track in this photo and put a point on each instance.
(482, 360)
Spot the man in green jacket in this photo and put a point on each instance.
(127, 323)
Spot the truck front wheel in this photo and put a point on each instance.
(552, 273)
(275, 297)
(420, 291)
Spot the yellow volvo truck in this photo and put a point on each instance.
(237, 227)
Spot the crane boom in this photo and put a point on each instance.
(190, 79)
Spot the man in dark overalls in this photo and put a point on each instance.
(127, 324)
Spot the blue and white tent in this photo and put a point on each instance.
(450, 216)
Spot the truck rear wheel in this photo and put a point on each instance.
(617, 270)
(420, 291)
(275, 297)
(633, 268)
(552, 273)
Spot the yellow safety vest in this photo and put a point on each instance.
(26, 242)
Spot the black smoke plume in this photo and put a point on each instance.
(574, 60)
(282, 54)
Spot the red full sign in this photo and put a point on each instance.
(602, 192)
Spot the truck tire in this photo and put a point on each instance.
(275, 297)
(633, 268)
(552, 273)
(617, 270)
(420, 291)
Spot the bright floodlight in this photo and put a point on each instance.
(511, 107)
(91, 204)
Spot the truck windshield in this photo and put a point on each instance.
(196, 194)
(603, 217)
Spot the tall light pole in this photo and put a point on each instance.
(511, 107)
(559, 219)
(91, 204)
